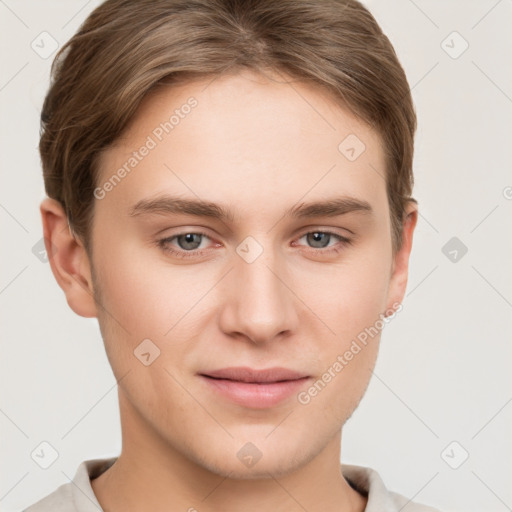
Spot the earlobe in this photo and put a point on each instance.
(400, 272)
(68, 259)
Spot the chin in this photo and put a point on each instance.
(260, 471)
(276, 464)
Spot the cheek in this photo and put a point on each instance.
(354, 297)
(352, 310)
(146, 296)
(351, 296)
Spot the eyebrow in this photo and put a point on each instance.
(168, 205)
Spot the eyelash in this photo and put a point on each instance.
(163, 244)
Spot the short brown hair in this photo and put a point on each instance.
(126, 47)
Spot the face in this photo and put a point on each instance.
(255, 277)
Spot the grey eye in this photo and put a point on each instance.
(318, 239)
(189, 241)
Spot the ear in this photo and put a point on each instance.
(400, 267)
(68, 259)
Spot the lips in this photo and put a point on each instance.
(255, 389)
(244, 374)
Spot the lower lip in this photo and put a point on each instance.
(256, 396)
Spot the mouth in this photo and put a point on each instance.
(256, 389)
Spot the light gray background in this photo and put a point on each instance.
(443, 372)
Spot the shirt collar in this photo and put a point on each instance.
(364, 480)
(369, 483)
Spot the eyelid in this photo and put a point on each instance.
(334, 230)
(324, 229)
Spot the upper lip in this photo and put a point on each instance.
(245, 374)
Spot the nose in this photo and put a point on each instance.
(259, 303)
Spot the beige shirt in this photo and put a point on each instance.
(78, 496)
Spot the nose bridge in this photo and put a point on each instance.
(261, 306)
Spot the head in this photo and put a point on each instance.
(256, 111)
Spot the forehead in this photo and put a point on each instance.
(241, 139)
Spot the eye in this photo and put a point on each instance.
(189, 241)
(187, 244)
(320, 240)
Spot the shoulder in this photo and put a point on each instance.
(76, 495)
(368, 482)
(406, 505)
(60, 500)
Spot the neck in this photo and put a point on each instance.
(151, 474)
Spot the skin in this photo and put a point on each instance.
(259, 147)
